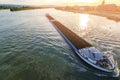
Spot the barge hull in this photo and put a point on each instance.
(77, 41)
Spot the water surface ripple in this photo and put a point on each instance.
(31, 49)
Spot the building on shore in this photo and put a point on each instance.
(84, 8)
(106, 7)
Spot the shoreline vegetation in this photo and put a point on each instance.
(21, 7)
(24, 8)
(110, 11)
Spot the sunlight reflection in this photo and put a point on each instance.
(83, 21)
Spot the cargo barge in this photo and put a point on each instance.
(103, 61)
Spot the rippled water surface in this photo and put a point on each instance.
(31, 49)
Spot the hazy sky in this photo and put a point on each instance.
(58, 2)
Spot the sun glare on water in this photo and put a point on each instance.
(83, 21)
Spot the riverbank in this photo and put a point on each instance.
(108, 14)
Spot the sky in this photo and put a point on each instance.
(59, 2)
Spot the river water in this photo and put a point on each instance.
(31, 49)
